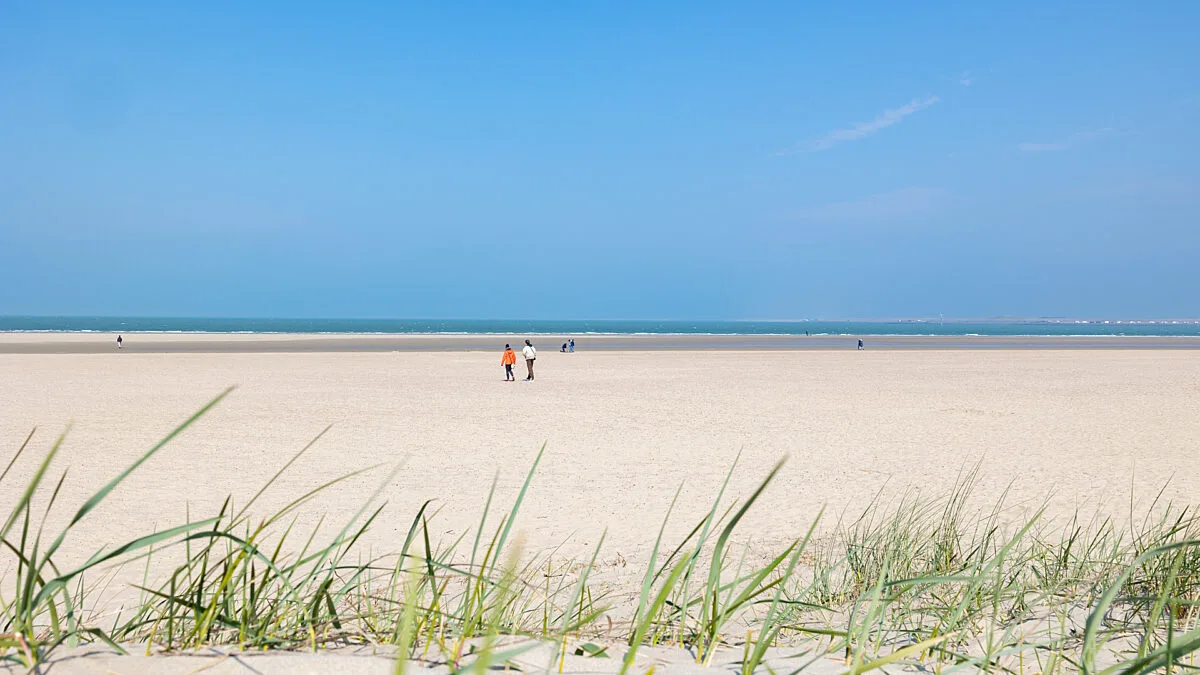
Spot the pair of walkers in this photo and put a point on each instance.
(510, 359)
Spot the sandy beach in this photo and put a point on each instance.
(622, 430)
(1086, 428)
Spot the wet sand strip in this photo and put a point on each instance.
(96, 343)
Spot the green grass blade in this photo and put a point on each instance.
(648, 580)
(714, 570)
(1091, 631)
(18, 454)
(141, 542)
(512, 517)
(280, 472)
(898, 655)
(651, 614)
(32, 487)
(95, 499)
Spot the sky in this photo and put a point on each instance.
(600, 160)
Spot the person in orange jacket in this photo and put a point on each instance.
(508, 361)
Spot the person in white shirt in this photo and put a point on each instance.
(530, 355)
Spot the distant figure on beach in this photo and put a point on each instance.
(530, 355)
(571, 345)
(119, 342)
(508, 361)
(563, 349)
(860, 344)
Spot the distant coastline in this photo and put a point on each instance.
(234, 343)
(916, 327)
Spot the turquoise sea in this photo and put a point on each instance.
(996, 327)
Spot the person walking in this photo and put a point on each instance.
(860, 345)
(119, 341)
(530, 355)
(508, 361)
(571, 346)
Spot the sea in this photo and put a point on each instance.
(898, 327)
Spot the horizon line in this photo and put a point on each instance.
(893, 319)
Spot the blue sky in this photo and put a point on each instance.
(600, 160)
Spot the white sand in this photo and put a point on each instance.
(379, 661)
(622, 431)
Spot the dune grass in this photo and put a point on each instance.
(913, 580)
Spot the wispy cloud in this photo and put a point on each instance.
(1155, 191)
(966, 79)
(860, 130)
(1072, 141)
(909, 202)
